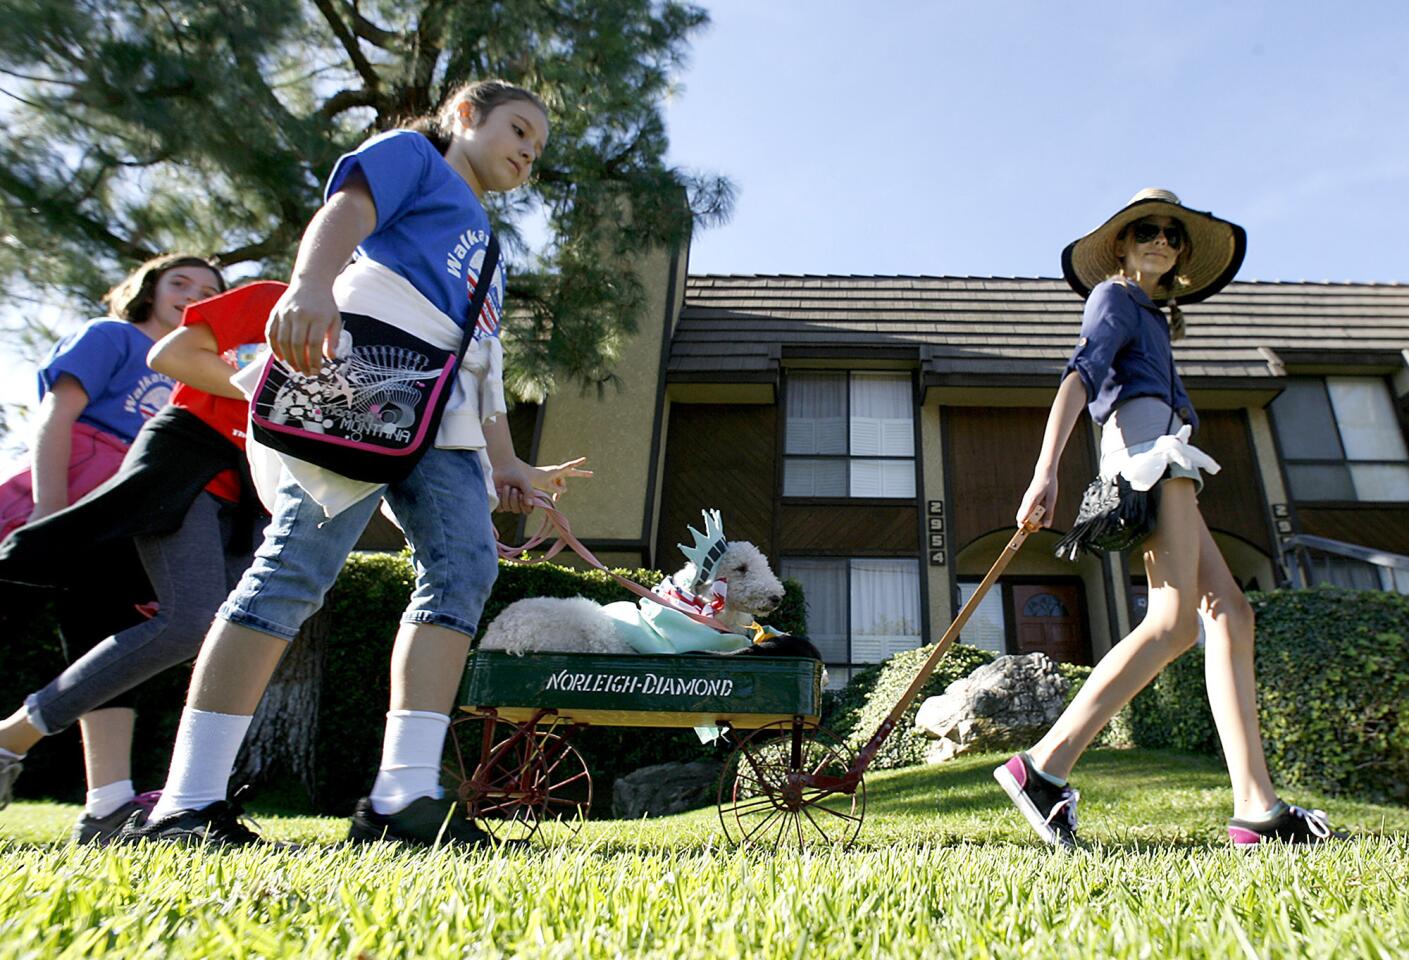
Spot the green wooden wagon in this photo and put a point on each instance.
(788, 781)
(527, 771)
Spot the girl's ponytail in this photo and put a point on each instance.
(483, 95)
(1176, 321)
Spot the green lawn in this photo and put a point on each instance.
(943, 867)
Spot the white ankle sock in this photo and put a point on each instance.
(201, 764)
(1054, 781)
(105, 800)
(1271, 813)
(411, 751)
(11, 755)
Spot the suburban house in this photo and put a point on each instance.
(874, 435)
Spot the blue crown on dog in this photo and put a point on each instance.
(708, 548)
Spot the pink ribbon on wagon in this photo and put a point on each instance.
(555, 526)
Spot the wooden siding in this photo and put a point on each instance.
(989, 453)
(849, 529)
(722, 456)
(1232, 501)
(1384, 528)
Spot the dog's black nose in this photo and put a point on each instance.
(775, 599)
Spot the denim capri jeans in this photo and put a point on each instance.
(443, 508)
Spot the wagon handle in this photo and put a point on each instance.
(1031, 524)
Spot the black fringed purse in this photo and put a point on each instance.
(1113, 517)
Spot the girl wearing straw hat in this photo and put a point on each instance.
(1152, 252)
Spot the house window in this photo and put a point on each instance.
(1341, 440)
(986, 628)
(849, 435)
(1354, 574)
(859, 610)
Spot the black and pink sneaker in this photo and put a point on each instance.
(1050, 809)
(1291, 825)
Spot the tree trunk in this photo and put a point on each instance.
(281, 738)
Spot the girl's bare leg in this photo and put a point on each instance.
(107, 742)
(1231, 679)
(233, 669)
(107, 745)
(1170, 627)
(17, 734)
(427, 664)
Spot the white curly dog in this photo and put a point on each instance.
(730, 581)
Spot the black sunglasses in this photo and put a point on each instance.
(1144, 232)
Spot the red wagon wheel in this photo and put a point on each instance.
(786, 785)
(568, 783)
(512, 778)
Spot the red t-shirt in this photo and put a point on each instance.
(237, 318)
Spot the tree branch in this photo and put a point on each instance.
(275, 243)
(369, 31)
(426, 47)
(33, 79)
(612, 164)
(349, 43)
(345, 100)
(56, 210)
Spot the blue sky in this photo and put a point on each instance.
(979, 138)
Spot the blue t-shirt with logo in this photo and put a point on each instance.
(431, 228)
(109, 359)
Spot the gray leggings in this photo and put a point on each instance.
(191, 571)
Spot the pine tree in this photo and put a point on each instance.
(209, 126)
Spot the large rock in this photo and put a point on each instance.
(1004, 704)
(665, 788)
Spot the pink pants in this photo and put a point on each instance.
(94, 457)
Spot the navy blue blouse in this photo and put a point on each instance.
(1124, 352)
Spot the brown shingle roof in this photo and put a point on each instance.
(737, 327)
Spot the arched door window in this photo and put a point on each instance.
(1044, 605)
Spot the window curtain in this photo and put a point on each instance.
(816, 413)
(882, 416)
(885, 608)
(1366, 418)
(816, 423)
(1370, 431)
(882, 425)
(985, 628)
(824, 589)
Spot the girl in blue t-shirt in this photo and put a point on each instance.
(96, 391)
(1151, 252)
(406, 208)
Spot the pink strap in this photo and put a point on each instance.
(556, 525)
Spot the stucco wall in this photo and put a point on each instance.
(939, 581)
(616, 429)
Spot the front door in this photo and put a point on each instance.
(1048, 617)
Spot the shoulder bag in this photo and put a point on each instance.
(372, 413)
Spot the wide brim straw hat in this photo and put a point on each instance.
(1216, 246)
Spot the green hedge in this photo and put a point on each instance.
(1333, 689)
(362, 611)
(1333, 694)
(857, 711)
